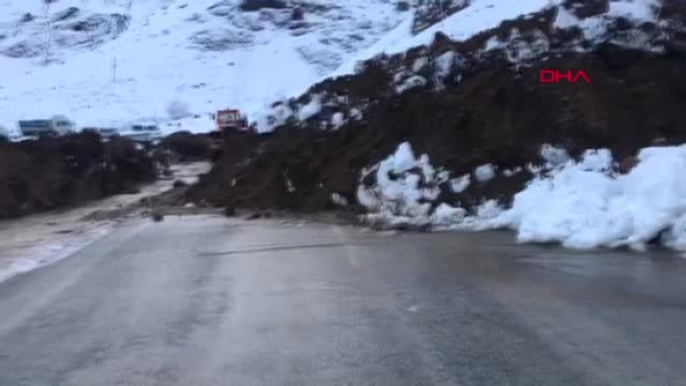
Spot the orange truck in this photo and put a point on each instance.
(229, 122)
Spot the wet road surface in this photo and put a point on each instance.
(202, 301)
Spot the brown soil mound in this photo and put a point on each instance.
(52, 172)
(187, 147)
(497, 115)
(495, 112)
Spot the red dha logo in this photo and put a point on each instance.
(554, 76)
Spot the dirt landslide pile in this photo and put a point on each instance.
(486, 106)
(184, 146)
(53, 172)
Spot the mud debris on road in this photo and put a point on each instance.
(42, 238)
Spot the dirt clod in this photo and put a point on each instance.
(230, 211)
(157, 216)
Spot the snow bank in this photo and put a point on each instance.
(406, 192)
(587, 205)
(404, 185)
(580, 204)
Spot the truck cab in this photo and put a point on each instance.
(231, 120)
(229, 123)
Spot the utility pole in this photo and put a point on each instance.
(114, 70)
(440, 5)
(48, 31)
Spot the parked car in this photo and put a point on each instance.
(143, 132)
(57, 125)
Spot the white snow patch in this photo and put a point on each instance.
(275, 117)
(289, 184)
(404, 158)
(420, 64)
(512, 172)
(398, 199)
(339, 200)
(397, 191)
(580, 204)
(356, 114)
(444, 64)
(447, 215)
(593, 27)
(585, 205)
(411, 83)
(337, 120)
(554, 156)
(460, 184)
(522, 48)
(311, 109)
(485, 173)
(493, 43)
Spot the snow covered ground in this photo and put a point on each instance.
(579, 204)
(110, 63)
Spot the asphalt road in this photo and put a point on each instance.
(199, 301)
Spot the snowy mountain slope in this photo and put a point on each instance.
(523, 33)
(112, 61)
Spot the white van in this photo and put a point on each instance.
(143, 132)
(58, 125)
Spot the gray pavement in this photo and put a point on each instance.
(201, 301)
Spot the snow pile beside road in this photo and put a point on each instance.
(580, 204)
(404, 191)
(586, 204)
(404, 185)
